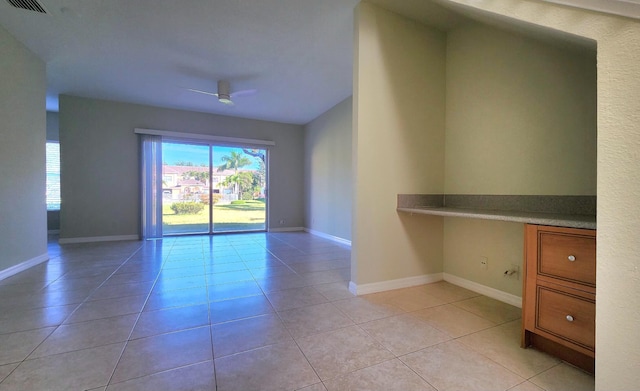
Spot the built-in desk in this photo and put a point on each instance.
(559, 297)
(557, 220)
(558, 211)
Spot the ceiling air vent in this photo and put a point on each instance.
(29, 5)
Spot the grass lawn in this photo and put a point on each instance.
(239, 216)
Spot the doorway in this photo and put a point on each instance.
(210, 188)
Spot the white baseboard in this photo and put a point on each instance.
(382, 286)
(286, 229)
(327, 236)
(388, 285)
(484, 290)
(92, 239)
(22, 266)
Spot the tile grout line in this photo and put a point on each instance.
(56, 327)
(139, 314)
(238, 246)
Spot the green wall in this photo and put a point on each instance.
(398, 145)
(23, 218)
(328, 173)
(521, 119)
(100, 163)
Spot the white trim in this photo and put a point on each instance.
(327, 236)
(484, 290)
(206, 137)
(22, 266)
(92, 239)
(286, 229)
(388, 285)
(629, 8)
(430, 278)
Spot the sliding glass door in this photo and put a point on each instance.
(239, 179)
(209, 188)
(185, 188)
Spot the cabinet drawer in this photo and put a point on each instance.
(568, 256)
(566, 316)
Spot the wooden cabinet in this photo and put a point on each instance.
(559, 295)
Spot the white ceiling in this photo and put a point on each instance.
(298, 54)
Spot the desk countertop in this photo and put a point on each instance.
(559, 220)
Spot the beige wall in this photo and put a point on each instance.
(100, 162)
(618, 179)
(327, 166)
(23, 219)
(521, 119)
(398, 144)
(467, 240)
(521, 115)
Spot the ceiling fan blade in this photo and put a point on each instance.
(202, 92)
(223, 94)
(243, 93)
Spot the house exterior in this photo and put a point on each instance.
(179, 185)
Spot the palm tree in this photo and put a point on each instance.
(233, 161)
(243, 180)
(257, 153)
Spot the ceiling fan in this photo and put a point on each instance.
(224, 93)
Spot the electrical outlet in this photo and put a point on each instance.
(282, 222)
(513, 272)
(484, 263)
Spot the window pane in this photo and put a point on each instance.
(53, 175)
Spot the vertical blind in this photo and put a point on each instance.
(53, 175)
(151, 174)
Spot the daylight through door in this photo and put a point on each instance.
(209, 188)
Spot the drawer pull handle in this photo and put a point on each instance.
(570, 318)
(571, 258)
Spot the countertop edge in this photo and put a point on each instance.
(569, 221)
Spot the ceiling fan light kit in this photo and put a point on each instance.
(224, 92)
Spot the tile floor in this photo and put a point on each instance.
(252, 312)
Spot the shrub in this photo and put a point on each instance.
(187, 208)
(247, 196)
(215, 198)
